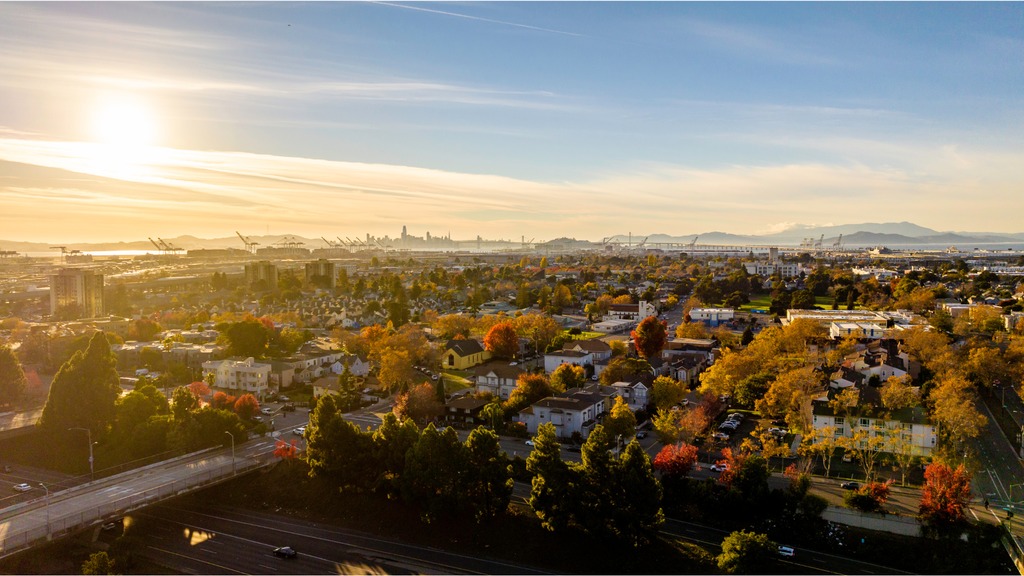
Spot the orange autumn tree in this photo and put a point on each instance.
(676, 460)
(502, 340)
(945, 495)
(285, 450)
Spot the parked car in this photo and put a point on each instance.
(529, 442)
(787, 551)
(22, 487)
(266, 411)
(777, 431)
(735, 416)
(641, 435)
(301, 430)
(112, 525)
(285, 552)
(284, 398)
(850, 485)
(719, 467)
(720, 436)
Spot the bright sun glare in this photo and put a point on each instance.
(124, 131)
(123, 120)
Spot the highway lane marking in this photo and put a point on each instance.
(193, 558)
(519, 568)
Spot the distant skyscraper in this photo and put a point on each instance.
(403, 233)
(81, 288)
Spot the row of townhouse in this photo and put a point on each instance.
(902, 431)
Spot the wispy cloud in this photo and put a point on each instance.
(479, 18)
(197, 192)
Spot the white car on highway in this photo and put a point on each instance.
(22, 487)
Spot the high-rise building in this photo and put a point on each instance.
(323, 269)
(82, 289)
(262, 271)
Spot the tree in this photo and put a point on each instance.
(620, 423)
(823, 443)
(183, 402)
(502, 340)
(634, 511)
(667, 392)
(954, 410)
(391, 442)
(98, 563)
(336, 448)
(650, 337)
(568, 376)
(285, 450)
(868, 498)
(247, 338)
(12, 377)
(246, 406)
(435, 473)
(420, 404)
(529, 389)
(84, 390)
(395, 369)
(623, 368)
(866, 444)
(143, 330)
(790, 395)
(746, 552)
(945, 495)
(897, 393)
(489, 476)
(676, 460)
(550, 495)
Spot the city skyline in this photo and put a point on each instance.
(506, 119)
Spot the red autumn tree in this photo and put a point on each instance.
(246, 406)
(676, 460)
(286, 451)
(199, 389)
(733, 462)
(650, 337)
(946, 493)
(502, 340)
(222, 400)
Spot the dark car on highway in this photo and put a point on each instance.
(285, 552)
(850, 485)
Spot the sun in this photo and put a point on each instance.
(123, 120)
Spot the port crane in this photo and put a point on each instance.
(63, 252)
(838, 244)
(693, 242)
(250, 246)
(330, 244)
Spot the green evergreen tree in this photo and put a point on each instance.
(552, 480)
(391, 442)
(634, 512)
(12, 377)
(84, 390)
(435, 475)
(490, 477)
(746, 553)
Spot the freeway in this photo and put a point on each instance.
(207, 539)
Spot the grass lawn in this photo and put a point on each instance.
(762, 302)
(455, 380)
(585, 335)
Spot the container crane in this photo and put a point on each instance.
(250, 246)
(63, 252)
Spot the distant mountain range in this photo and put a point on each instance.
(893, 234)
(902, 234)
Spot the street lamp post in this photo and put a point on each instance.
(47, 510)
(232, 436)
(88, 432)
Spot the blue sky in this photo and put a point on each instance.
(125, 120)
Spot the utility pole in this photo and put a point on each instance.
(88, 432)
(232, 436)
(48, 535)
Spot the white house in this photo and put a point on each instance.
(569, 415)
(870, 330)
(498, 378)
(245, 376)
(635, 394)
(553, 360)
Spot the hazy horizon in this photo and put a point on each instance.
(130, 120)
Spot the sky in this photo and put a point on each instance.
(124, 120)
